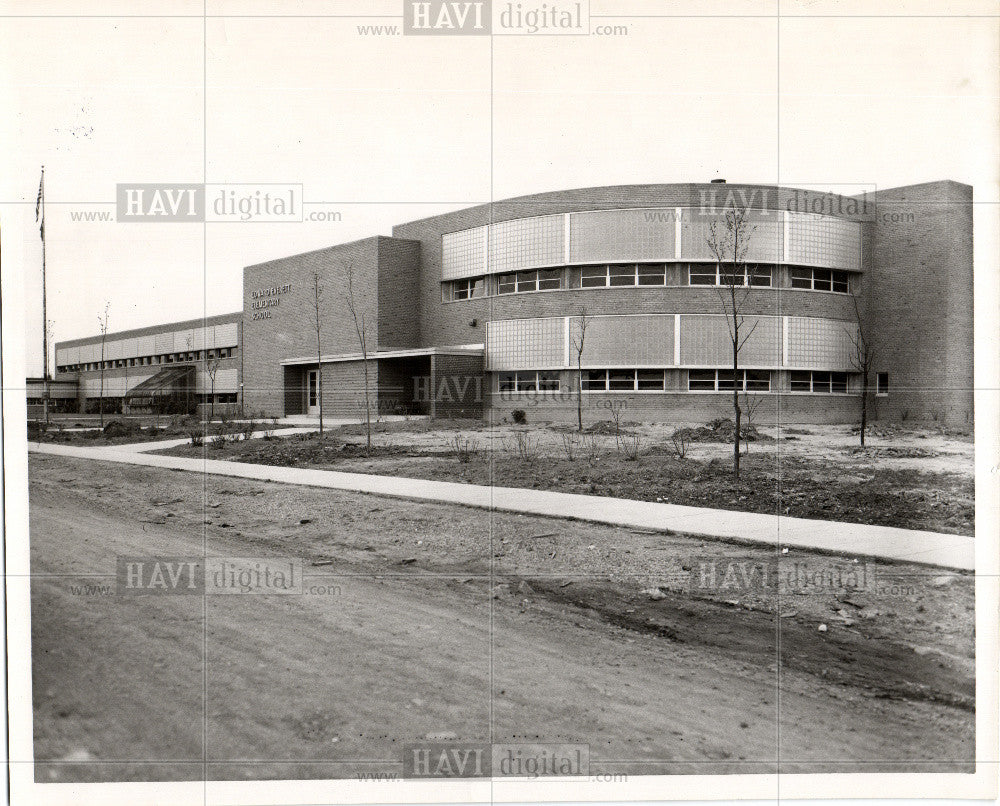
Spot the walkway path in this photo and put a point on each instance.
(846, 539)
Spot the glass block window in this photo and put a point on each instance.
(818, 240)
(626, 340)
(606, 236)
(763, 242)
(820, 343)
(514, 344)
(463, 253)
(526, 243)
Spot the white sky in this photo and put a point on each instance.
(387, 129)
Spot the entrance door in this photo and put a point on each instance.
(312, 392)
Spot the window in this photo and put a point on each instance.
(528, 381)
(701, 380)
(819, 382)
(622, 275)
(594, 276)
(752, 274)
(595, 380)
(882, 383)
(821, 280)
(759, 276)
(549, 279)
(711, 380)
(650, 380)
(702, 274)
(621, 380)
(468, 289)
(521, 282)
(652, 275)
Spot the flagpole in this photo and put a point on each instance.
(45, 320)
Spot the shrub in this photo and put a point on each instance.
(519, 417)
(569, 443)
(681, 439)
(465, 449)
(629, 446)
(197, 437)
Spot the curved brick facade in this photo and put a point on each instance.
(480, 308)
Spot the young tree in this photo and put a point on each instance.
(361, 326)
(211, 369)
(729, 245)
(862, 359)
(103, 321)
(317, 298)
(578, 342)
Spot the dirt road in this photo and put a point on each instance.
(433, 621)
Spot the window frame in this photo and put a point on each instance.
(881, 389)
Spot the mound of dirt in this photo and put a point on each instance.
(722, 430)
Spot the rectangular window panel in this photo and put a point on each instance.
(505, 284)
(882, 383)
(840, 282)
(506, 382)
(549, 279)
(822, 280)
(526, 381)
(758, 380)
(801, 278)
(622, 275)
(726, 380)
(838, 382)
(548, 381)
(650, 379)
(595, 380)
(759, 275)
(621, 380)
(821, 381)
(527, 281)
(594, 276)
(801, 381)
(701, 380)
(652, 275)
(702, 274)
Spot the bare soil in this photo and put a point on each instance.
(910, 479)
(470, 624)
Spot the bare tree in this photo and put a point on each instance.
(578, 342)
(103, 321)
(211, 369)
(729, 245)
(361, 326)
(862, 359)
(317, 298)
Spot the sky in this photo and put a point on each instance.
(386, 129)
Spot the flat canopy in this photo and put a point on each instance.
(417, 352)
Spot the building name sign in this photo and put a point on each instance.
(263, 299)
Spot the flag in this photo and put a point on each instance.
(39, 209)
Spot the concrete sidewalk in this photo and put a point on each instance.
(847, 539)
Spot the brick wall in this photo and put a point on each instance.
(921, 301)
(383, 273)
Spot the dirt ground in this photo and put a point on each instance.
(911, 478)
(424, 620)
